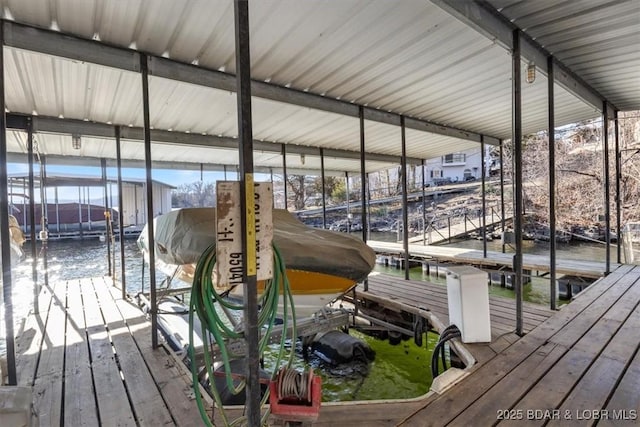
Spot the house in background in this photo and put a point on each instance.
(75, 204)
(457, 167)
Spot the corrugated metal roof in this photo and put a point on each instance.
(411, 58)
(599, 40)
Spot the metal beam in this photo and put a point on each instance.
(489, 22)
(607, 189)
(363, 182)
(552, 182)
(250, 284)
(57, 44)
(32, 219)
(123, 276)
(517, 155)
(5, 243)
(324, 190)
(405, 202)
(618, 195)
(149, 197)
(100, 130)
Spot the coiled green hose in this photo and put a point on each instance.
(215, 329)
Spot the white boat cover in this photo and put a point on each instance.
(181, 237)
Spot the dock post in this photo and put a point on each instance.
(324, 191)
(144, 67)
(364, 183)
(249, 273)
(517, 154)
(552, 183)
(32, 217)
(618, 178)
(484, 197)
(120, 213)
(607, 191)
(405, 202)
(7, 280)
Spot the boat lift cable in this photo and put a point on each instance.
(449, 333)
(203, 301)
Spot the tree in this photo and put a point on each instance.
(195, 194)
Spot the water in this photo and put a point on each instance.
(400, 371)
(538, 291)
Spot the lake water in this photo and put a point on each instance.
(399, 371)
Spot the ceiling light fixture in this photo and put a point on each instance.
(76, 141)
(531, 72)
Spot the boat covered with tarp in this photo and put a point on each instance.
(321, 265)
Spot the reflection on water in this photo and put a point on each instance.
(401, 371)
(67, 260)
(539, 290)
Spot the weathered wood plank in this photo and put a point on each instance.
(169, 377)
(444, 409)
(600, 296)
(626, 397)
(149, 408)
(556, 385)
(29, 340)
(113, 404)
(511, 388)
(47, 390)
(581, 324)
(473, 256)
(79, 394)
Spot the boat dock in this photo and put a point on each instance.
(579, 366)
(87, 354)
(468, 225)
(493, 260)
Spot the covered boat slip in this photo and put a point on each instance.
(579, 366)
(88, 355)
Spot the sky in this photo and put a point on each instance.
(172, 177)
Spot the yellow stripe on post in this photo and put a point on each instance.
(251, 225)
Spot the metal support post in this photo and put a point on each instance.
(7, 280)
(123, 281)
(245, 137)
(149, 187)
(363, 180)
(107, 215)
(517, 157)
(484, 197)
(284, 174)
(618, 197)
(607, 189)
(424, 208)
(32, 217)
(502, 212)
(405, 201)
(324, 190)
(552, 183)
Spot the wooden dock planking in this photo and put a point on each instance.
(391, 290)
(562, 365)
(113, 404)
(148, 405)
(79, 390)
(494, 259)
(30, 339)
(47, 388)
(168, 375)
(627, 394)
(583, 357)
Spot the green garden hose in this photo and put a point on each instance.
(215, 330)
